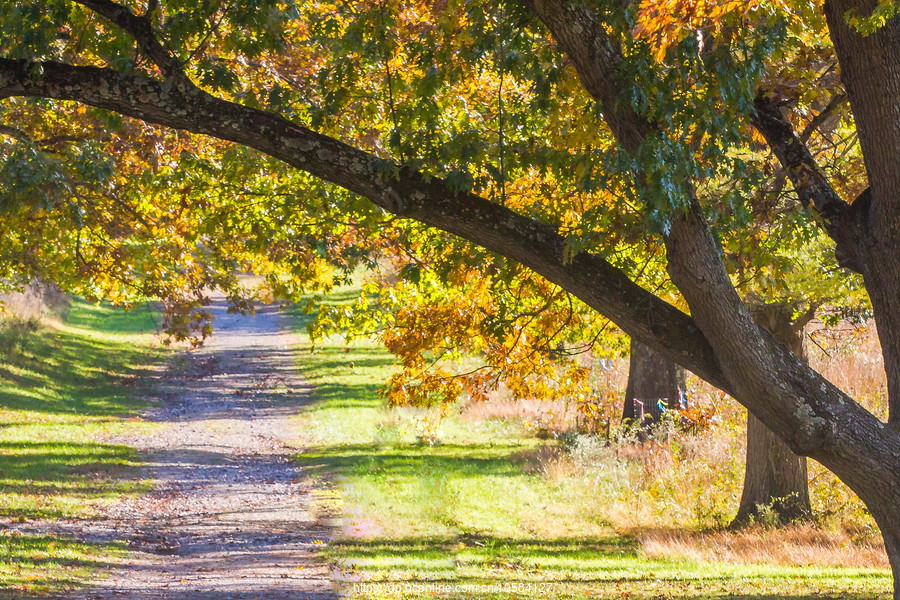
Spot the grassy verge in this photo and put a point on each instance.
(64, 389)
(470, 518)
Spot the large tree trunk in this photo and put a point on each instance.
(870, 70)
(774, 477)
(651, 377)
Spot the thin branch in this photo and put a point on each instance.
(22, 136)
(141, 30)
(816, 342)
(15, 132)
(59, 139)
(390, 82)
(835, 103)
(213, 29)
(501, 135)
(804, 319)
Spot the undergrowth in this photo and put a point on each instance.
(66, 386)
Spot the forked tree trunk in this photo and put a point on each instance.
(870, 71)
(651, 377)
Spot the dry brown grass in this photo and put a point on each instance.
(800, 545)
(553, 462)
(689, 482)
(551, 418)
(33, 302)
(850, 357)
(21, 313)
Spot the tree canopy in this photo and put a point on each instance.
(658, 163)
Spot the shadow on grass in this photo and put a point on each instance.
(397, 489)
(44, 565)
(357, 359)
(347, 396)
(60, 372)
(38, 479)
(410, 460)
(67, 384)
(488, 545)
(609, 567)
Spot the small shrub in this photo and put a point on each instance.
(388, 432)
(15, 334)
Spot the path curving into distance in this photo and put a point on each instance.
(226, 518)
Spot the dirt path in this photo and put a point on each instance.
(226, 519)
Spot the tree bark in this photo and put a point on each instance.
(870, 70)
(772, 383)
(651, 376)
(399, 191)
(775, 478)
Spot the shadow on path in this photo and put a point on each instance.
(226, 518)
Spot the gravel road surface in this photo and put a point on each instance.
(227, 518)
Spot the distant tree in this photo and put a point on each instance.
(775, 479)
(652, 378)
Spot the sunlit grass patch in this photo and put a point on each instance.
(61, 479)
(468, 483)
(36, 564)
(69, 389)
(575, 568)
(488, 511)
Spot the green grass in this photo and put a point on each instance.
(465, 512)
(66, 389)
(43, 564)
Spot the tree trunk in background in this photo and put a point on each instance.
(774, 477)
(651, 376)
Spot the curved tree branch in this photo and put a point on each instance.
(721, 343)
(597, 59)
(139, 28)
(402, 192)
(833, 105)
(723, 347)
(793, 400)
(841, 223)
